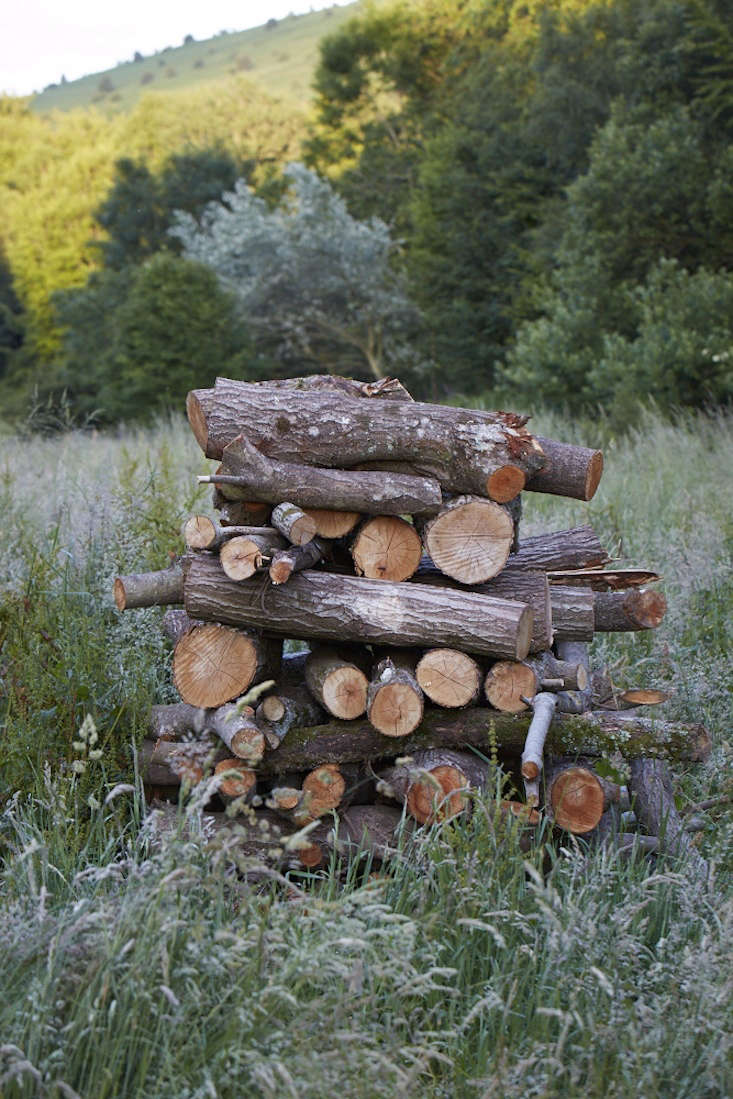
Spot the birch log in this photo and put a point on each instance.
(543, 711)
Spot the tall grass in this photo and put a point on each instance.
(466, 969)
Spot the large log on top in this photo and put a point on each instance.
(591, 734)
(466, 450)
(326, 606)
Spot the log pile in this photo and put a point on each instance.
(381, 536)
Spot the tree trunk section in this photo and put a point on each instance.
(308, 486)
(434, 783)
(449, 677)
(573, 471)
(386, 548)
(470, 539)
(637, 609)
(462, 448)
(293, 523)
(577, 548)
(212, 664)
(573, 613)
(236, 781)
(394, 700)
(290, 703)
(149, 589)
(325, 605)
(241, 557)
(296, 558)
(333, 524)
(576, 798)
(336, 683)
(202, 533)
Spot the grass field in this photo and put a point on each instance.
(281, 60)
(129, 970)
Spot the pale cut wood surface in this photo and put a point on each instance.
(469, 539)
(449, 677)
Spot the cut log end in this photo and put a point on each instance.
(325, 787)
(281, 570)
(470, 540)
(333, 524)
(530, 770)
(577, 800)
(507, 684)
(387, 548)
(437, 796)
(449, 677)
(594, 474)
(646, 608)
(235, 785)
(273, 708)
(120, 594)
(505, 483)
(240, 558)
(396, 709)
(345, 692)
(199, 532)
(213, 664)
(644, 696)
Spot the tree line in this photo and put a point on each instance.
(532, 200)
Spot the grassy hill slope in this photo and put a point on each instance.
(280, 59)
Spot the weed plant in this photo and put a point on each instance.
(137, 968)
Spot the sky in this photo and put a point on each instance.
(42, 39)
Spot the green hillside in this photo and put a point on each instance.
(281, 58)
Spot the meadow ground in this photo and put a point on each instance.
(128, 970)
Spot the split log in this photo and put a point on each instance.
(386, 548)
(637, 609)
(576, 797)
(236, 781)
(593, 734)
(543, 711)
(525, 586)
(577, 548)
(293, 523)
(466, 450)
(244, 555)
(449, 677)
(573, 613)
(324, 605)
(653, 800)
(333, 524)
(310, 486)
(336, 683)
(394, 700)
(213, 664)
(604, 579)
(433, 784)
(573, 471)
(296, 558)
(469, 539)
(150, 589)
(605, 694)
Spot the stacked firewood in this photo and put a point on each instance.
(383, 534)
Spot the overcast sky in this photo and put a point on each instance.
(41, 39)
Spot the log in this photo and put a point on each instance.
(569, 470)
(469, 539)
(592, 734)
(296, 558)
(604, 579)
(554, 674)
(325, 605)
(575, 798)
(386, 548)
(309, 486)
(236, 781)
(167, 763)
(239, 513)
(373, 830)
(244, 555)
(150, 589)
(637, 609)
(449, 677)
(394, 700)
(580, 699)
(466, 450)
(650, 785)
(573, 613)
(176, 623)
(202, 533)
(322, 792)
(525, 586)
(213, 664)
(333, 524)
(336, 683)
(508, 683)
(290, 703)
(386, 389)
(293, 523)
(577, 548)
(433, 784)
(543, 711)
